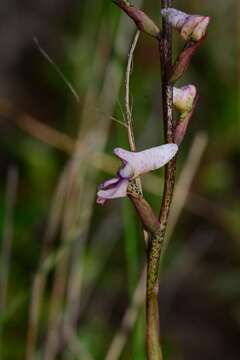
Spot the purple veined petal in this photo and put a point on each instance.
(116, 190)
(137, 163)
(108, 183)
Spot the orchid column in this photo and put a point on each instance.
(192, 28)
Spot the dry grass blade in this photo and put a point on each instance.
(92, 138)
(41, 275)
(128, 321)
(129, 118)
(63, 142)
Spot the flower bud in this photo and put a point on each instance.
(183, 122)
(142, 20)
(183, 98)
(191, 27)
(184, 59)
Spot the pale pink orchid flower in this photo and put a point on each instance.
(134, 164)
(191, 27)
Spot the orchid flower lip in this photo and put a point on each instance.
(108, 184)
(116, 190)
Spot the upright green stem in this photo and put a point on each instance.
(154, 351)
(155, 227)
(154, 252)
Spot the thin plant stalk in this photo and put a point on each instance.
(154, 351)
(184, 183)
(128, 111)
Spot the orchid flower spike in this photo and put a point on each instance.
(134, 164)
(183, 98)
(191, 27)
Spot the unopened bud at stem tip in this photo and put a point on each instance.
(191, 27)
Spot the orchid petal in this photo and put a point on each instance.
(137, 163)
(124, 155)
(128, 158)
(108, 183)
(116, 190)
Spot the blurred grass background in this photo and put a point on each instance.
(70, 270)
